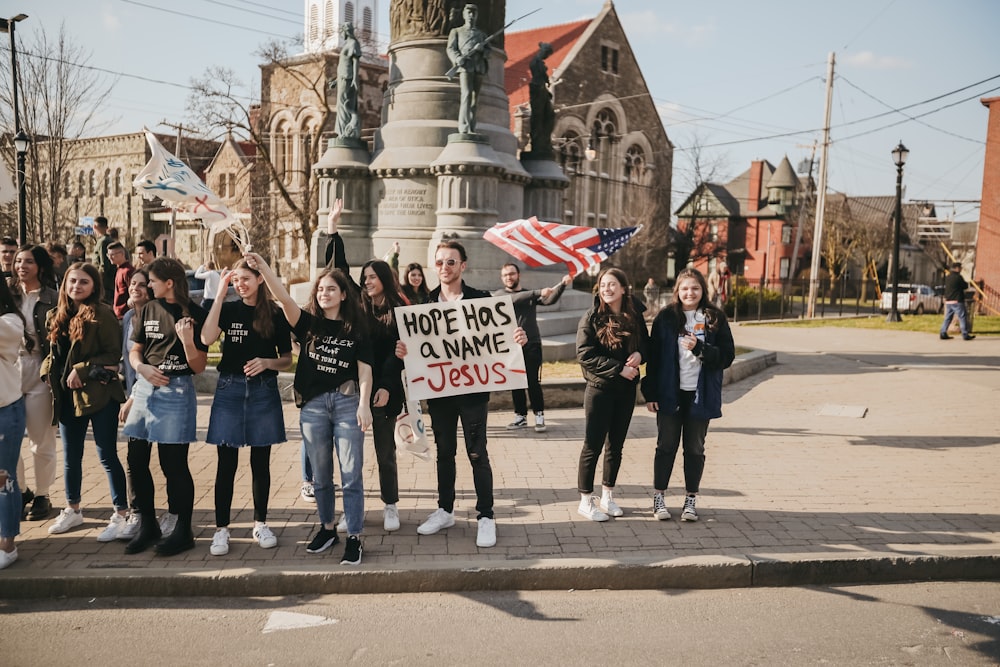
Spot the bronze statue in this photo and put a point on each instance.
(543, 116)
(467, 51)
(348, 122)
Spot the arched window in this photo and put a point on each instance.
(313, 23)
(635, 164)
(93, 183)
(82, 185)
(329, 18)
(107, 182)
(366, 22)
(45, 185)
(119, 185)
(349, 12)
(67, 192)
(570, 151)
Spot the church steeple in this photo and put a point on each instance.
(324, 18)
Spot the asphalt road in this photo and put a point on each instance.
(953, 623)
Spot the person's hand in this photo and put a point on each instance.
(652, 406)
(73, 380)
(185, 330)
(125, 408)
(689, 340)
(629, 372)
(520, 337)
(224, 280)
(381, 398)
(546, 291)
(567, 279)
(400, 349)
(254, 261)
(634, 360)
(333, 217)
(255, 367)
(152, 375)
(395, 247)
(364, 416)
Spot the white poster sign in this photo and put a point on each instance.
(461, 347)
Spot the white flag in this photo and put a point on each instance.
(167, 178)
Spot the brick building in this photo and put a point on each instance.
(987, 271)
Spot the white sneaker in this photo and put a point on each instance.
(520, 421)
(131, 527)
(265, 538)
(539, 422)
(7, 558)
(220, 542)
(68, 518)
(114, 528)
(342, 524)
(307, 493)
(487, 535)
(589, 509)
(390, 518)
(439, 520)
(167, 524)
(609, 505)
(660, 510)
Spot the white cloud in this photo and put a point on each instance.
(869, 60)
(649, 24)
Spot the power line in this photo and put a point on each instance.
(266, 6)
(214, 22)
(253, 11)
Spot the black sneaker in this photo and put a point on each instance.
(323, 540)
(945, 337)
(352, 552)
(26, 497)
(969, 337)
(177, 542)
(40, 510)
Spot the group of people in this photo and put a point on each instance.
(67, 358)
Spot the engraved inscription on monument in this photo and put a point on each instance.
(409, 200)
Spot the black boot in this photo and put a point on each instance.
(148, 535)
(179, 541)
(26, 497)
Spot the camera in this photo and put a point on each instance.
(101, 374)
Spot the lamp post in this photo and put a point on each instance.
(899, 155)
(21, 142)
(20, 139)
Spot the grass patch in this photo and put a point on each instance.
(982, 324)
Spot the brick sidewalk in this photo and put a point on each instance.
(917, 476)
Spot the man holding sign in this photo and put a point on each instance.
(461, 345)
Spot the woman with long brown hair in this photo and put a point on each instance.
(82, 370)
(246, 410)
(168, 352)
(691, 345)
(610, 344)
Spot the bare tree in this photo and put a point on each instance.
(61, 101)
(695, 241)
(872, 242)
(840, 237)
(219, 100)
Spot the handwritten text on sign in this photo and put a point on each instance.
(461, 347)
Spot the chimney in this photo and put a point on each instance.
(754, 191)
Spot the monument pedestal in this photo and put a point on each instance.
(344, 173)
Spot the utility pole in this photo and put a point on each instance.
(817, 242)
(802, 215)
(177, 154)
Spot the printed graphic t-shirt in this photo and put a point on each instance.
(242, 343)
(327, 359)
(153, 328)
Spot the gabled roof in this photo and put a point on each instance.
(522, 46)
(246, 151)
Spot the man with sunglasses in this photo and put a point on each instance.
(472, 409)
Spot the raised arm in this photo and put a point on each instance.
(210, 331)
(288, 306)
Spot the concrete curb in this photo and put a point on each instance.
(690, 572)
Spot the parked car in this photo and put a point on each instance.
(915, 299)
(196, 289)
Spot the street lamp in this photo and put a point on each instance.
(899, 155)
(21, 142)
(7, 25)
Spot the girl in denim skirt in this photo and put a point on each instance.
(256, 346)
(168, 352)
(333, 385)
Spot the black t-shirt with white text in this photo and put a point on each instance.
(242, 342)
(153, 328)
(327, 359)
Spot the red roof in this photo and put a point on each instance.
(522, 46)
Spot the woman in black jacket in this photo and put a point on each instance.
(690, 346)
(611, 342)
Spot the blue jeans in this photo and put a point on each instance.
(955, 309)
(73, 430)
(330, 422)
(11, 433)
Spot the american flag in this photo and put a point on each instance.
(539, 243)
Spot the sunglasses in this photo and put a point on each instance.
(442, 262)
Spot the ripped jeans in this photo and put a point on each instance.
(11, 433)
(445, 413)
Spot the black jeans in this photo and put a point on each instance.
(533, 369)
(225, 476)
(174, 463)
(383, 434)
(671, 431)
(445, 413)
(608, 413)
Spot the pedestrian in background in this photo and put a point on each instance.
(611, 342)
(415, 285)
(718, 285)
(690, 346)
(246, 410)
(954, 303)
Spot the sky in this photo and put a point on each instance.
(744, 80)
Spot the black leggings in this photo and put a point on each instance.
(225, 476)
(174, 463)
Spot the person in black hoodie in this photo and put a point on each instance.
(954, 302)
(690, 346)
(611, 343)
